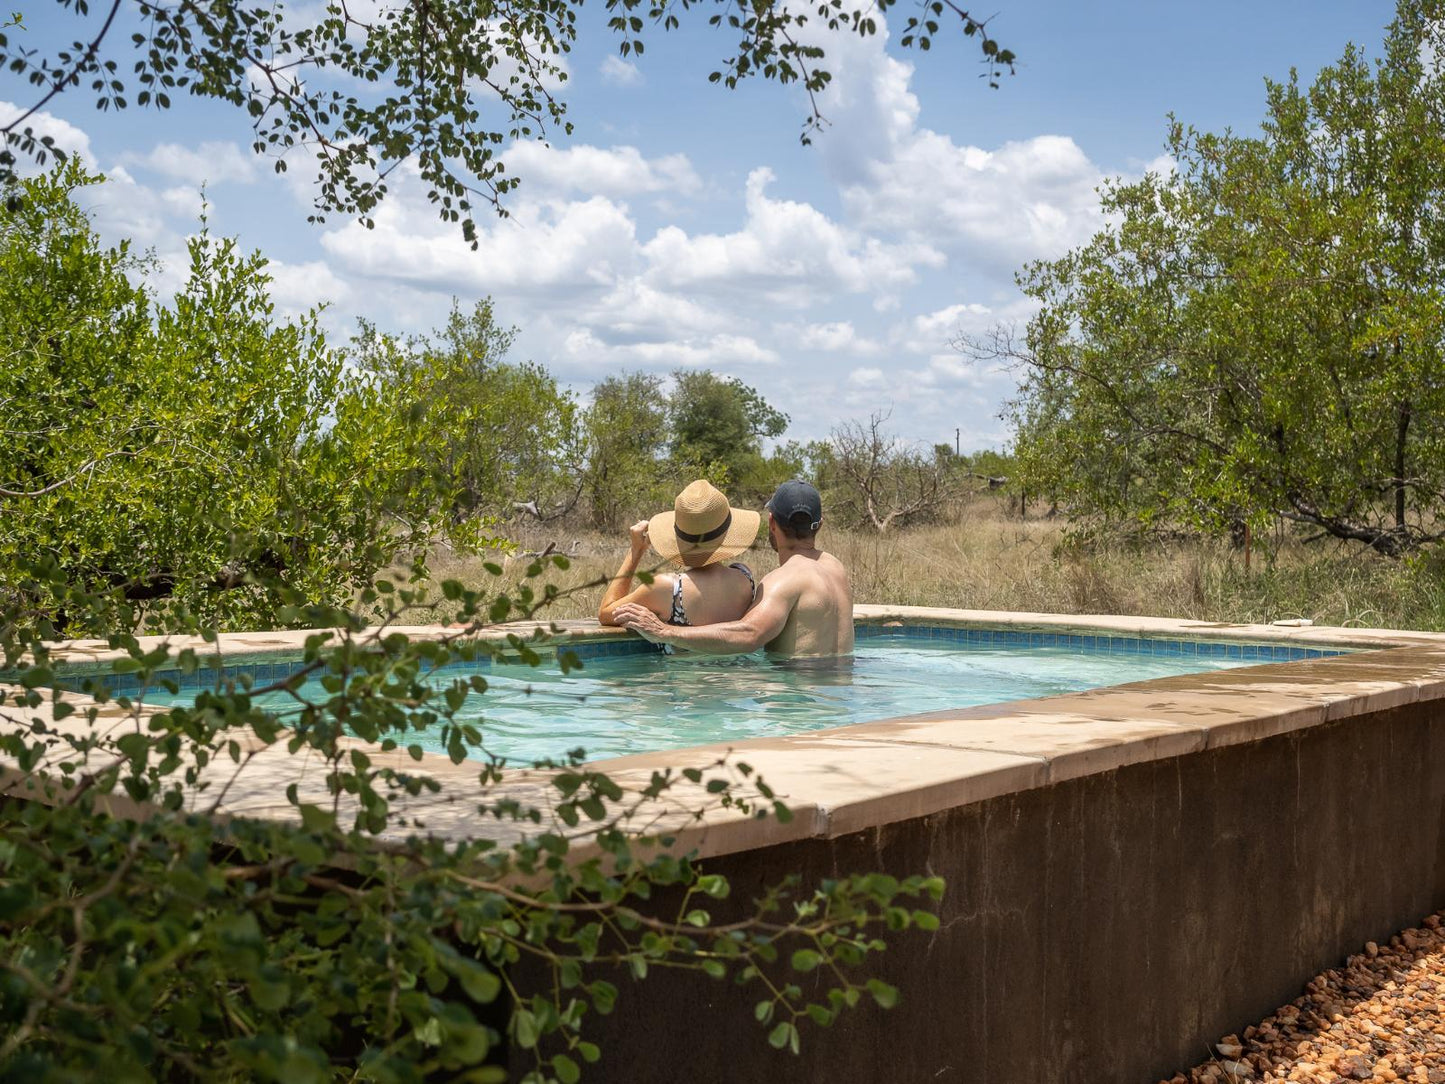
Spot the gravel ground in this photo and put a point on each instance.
(1380, 1017)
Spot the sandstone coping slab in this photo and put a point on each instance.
(237, 646)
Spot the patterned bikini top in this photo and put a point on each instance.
(678, 616)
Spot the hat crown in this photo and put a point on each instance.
(700, 508)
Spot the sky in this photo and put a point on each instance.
(683, 225)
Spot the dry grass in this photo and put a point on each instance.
(992, 560)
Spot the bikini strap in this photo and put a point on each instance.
(678, 616)
(746, 571)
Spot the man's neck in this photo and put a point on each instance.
(797, 549)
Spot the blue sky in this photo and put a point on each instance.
(683, 225)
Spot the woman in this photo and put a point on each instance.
(700, 536)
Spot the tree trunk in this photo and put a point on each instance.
(1401, 432)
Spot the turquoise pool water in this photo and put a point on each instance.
(644, 702)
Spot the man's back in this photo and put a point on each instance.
(821, 618)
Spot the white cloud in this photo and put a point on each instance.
(583, 350)
(846, 298)
(867, 379)
(619, 72)
(1028, 198)
(635, 311)
(299, 288)
(787, 252)
(124, 209)
(67, 137)
(616, 172)
(952, 370)
(214, 162)
(585, 245)
(929, 333)
(833, 337)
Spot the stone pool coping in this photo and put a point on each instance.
(847, 779)
(236, 647)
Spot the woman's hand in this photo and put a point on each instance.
(639, 537)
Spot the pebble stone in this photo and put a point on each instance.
(1379, 1017)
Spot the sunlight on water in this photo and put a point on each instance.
(646, 702)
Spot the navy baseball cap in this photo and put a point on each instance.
(793, 500)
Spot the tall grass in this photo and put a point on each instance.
(990, 559)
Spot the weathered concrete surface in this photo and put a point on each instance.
(1104, 928)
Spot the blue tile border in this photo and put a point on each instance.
(991, 639)
(1093, 643)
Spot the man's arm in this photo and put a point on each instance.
(759, 626)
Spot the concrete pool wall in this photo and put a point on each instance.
(1132, 871)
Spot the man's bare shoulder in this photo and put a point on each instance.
(780, 577)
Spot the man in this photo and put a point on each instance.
(804, 607)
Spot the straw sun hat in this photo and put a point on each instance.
(701, 522)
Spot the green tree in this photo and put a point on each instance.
(440, 83)
(505, 432)
(174, 454)
(720, 422)
(1260, 332)
(626, 426)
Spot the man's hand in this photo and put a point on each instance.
(642, 621)
(639, 537)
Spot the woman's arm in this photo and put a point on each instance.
(619, 590)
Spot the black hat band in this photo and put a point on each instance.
(708, 536)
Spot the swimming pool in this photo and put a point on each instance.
(640, 701)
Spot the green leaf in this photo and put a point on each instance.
(714, 885)
(134, 746)
(15, 900)
(604, 996)
(269, 995)
(806, 960)
(316, 819)
(820, 1014)
(784, 1034)
(481, 984)
(884, 994)
(524, 1027)
(566, 1069)
(925, 920)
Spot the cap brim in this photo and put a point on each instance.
(742, 532)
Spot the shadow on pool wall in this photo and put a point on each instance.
(1106, 928)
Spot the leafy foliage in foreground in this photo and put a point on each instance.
(1259, 333)
(150, 939)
